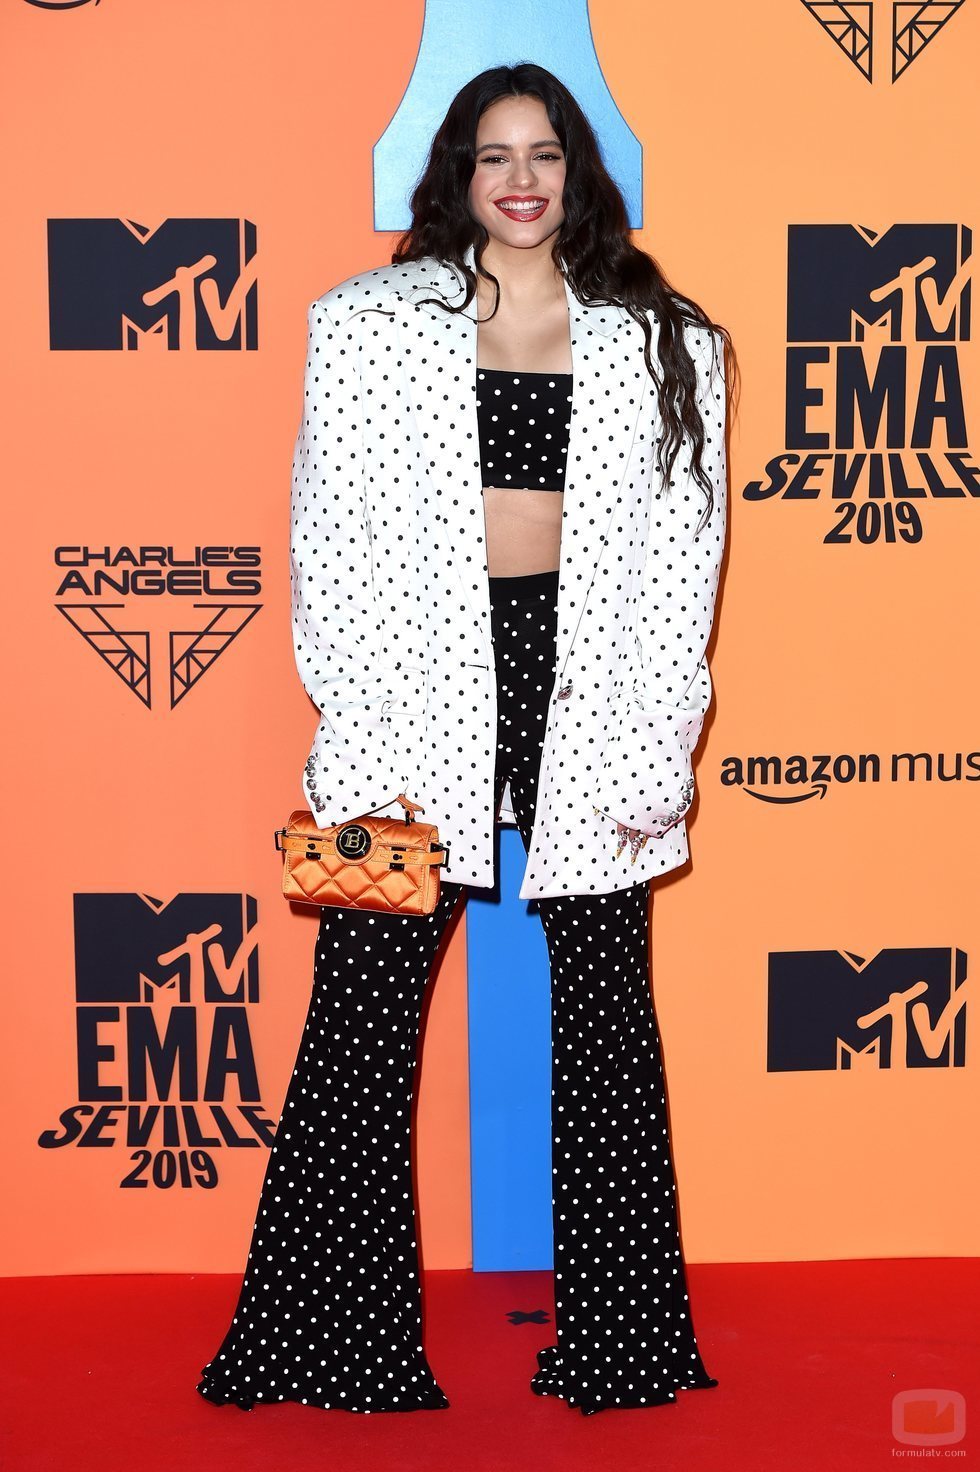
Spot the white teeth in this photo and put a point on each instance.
(522, 209)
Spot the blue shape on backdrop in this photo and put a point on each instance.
(463, 37)
(509, 1005)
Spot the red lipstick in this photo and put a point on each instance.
(531, 209)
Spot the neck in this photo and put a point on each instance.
(527, 276)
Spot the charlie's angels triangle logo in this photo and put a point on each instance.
(915, 24)
(126, 651)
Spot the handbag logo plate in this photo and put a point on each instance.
(354, 841)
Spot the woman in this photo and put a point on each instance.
(501, 600)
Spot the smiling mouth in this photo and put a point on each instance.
(527, 209)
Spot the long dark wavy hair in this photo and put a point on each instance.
(592, 246)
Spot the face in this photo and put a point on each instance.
(519, 173)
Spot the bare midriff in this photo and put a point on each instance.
(523, 530)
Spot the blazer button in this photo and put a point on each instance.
(565, 690)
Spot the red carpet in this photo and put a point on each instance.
(101, 1374)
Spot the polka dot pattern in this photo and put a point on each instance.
(329, 1311)
(523, 420)
(391, 612)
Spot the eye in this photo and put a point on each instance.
(491, 158)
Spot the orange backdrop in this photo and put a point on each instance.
(751, 125)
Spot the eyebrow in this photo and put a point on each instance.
(509, 146)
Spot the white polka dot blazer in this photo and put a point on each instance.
(390, 600)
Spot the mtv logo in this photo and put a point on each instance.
(835, 1010)
(848, 284)
(196, 948)
(118, 285)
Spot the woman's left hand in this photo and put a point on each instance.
(625, 835)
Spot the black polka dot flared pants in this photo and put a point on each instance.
(329, 1311)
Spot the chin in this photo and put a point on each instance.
(521, 239)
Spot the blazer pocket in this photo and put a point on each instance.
(409, 692)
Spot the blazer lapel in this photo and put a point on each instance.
(439, 351)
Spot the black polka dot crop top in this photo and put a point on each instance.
(523, 420)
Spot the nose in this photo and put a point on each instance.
(522, 176)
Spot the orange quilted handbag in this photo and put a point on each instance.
(368, 863)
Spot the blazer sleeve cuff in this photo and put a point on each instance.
(646, 780)
(351, 775)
